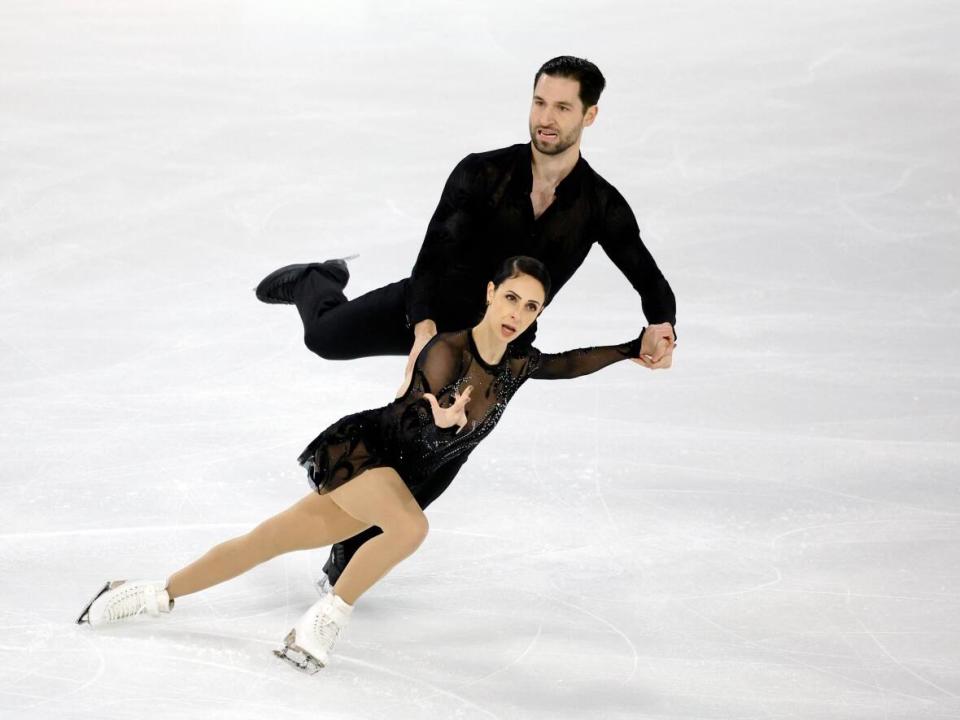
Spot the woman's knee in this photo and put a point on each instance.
(410, 531)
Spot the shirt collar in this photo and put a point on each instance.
(522, 180)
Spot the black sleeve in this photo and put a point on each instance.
(620, 240)
(435, 371)
(444, 243)
(583, 361)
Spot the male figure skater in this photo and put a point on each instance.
(540, 199)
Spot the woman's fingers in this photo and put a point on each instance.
(464, 397)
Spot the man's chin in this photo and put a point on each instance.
(549, 149)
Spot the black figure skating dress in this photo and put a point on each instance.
(402, 435)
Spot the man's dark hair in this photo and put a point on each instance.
(524, 265)
(583, 71)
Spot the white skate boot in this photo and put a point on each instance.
(123, 599)
(307, 646)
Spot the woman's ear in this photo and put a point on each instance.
(491, 288)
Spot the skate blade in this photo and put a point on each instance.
(297, 656)
(107, 586)
(322, 585)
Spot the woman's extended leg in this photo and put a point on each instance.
(315, 521)
(378, 497)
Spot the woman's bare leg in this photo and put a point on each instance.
(312, 522)
(378, 497)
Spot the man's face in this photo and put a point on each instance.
(556, 115)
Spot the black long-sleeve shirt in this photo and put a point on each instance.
(485, 216)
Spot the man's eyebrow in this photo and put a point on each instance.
(559, 102)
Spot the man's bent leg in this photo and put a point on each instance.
(339, 329)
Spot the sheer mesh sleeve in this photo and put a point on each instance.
(435, 371)
(583, 361)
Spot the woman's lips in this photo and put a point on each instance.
(507, 330)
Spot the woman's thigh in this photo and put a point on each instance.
(378, 497)
(313, 521)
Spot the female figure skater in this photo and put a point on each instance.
(364, 466)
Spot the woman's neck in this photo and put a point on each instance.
(490, 347)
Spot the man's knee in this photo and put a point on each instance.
(321, 341)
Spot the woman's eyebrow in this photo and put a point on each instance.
(514, 292)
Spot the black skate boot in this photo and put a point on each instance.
(332, 569)
(278, 286)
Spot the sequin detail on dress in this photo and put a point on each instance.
(402, 435)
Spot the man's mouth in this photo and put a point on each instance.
(547, 134)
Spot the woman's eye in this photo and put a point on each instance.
(531, 307)
(511, 298)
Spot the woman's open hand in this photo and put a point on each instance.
(456, 414)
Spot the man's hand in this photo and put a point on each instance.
(656, 350)
(422, 332)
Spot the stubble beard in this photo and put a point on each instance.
(564, 142)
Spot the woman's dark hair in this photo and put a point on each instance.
(583, 71)
(524, 265)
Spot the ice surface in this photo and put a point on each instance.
(768, 530)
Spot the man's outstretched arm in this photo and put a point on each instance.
(620, 240)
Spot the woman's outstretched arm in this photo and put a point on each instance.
(582, 361)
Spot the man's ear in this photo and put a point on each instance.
(590, 115)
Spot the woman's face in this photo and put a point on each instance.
(513, 306)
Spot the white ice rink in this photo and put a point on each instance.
(769, 530)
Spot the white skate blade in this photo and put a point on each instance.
(107, 586)
(297, 656)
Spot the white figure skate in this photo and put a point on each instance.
(308, 644)
(123, 599)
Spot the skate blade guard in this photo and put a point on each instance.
(107, 587)
(297, 656)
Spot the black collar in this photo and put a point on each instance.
(522, 178)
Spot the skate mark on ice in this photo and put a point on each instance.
(823, 526)
(517, 659)
(410, 678)
(599, 619)
(788, 655)
(814, 65)
(116, 531)
(899, 664)
(79, 634)
(732, 593)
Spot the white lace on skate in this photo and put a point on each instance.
(326, 631)
(131, 600)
